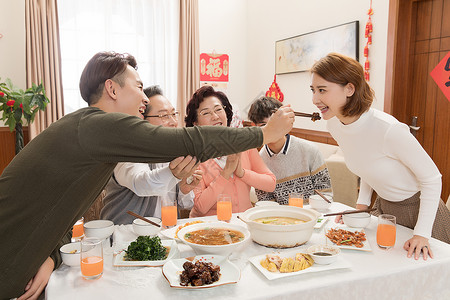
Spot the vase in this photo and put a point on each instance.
(19, 137)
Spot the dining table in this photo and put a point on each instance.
(373, 274)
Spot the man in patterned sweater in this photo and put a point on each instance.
(297, 164)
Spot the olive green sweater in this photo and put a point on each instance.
(56, 177)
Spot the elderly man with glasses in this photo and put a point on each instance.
(138, 187)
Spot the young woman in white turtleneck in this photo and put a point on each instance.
(377, 147)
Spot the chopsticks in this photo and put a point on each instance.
(321, 195)
(347, 212)
(142, 218)
(314, 116)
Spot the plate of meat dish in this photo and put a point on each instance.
(199, 272)
(348, 238)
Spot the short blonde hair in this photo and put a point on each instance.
(340, 69)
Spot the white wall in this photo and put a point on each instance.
(223, 28)
(267, 21)
(12, 44)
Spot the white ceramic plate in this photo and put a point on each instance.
(119, 260)
(366, 243)
(170, 233)
(320, 222)
(340, 263)
(229, 272)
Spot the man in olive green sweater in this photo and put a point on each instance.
(56, 177)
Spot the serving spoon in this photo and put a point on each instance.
(142, 218)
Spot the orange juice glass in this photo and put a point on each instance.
(386, 231)
(91, 258)
(169, 210)
(78, 230)
(296, 199)
(224, 208)
(169, 216)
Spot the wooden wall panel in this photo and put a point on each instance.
(7, 145)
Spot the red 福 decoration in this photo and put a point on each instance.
(368, 36)
(274, 90)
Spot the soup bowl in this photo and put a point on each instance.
(100, 229)
(316, 202)
(280, 236)
(70, 254)
(140, 227)
(358, 220)
(215, 249)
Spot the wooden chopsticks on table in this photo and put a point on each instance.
(347, 212)
(142, 218)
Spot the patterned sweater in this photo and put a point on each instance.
(299, 167)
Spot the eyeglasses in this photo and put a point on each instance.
(165, 117)
(208, 113)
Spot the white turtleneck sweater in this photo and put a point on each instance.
(389, 160)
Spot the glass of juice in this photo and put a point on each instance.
(224, 208)
(78, 230)
(169, 211)
(91, 258)
(296, 199)
(386, 231)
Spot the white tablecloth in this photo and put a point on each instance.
(379, 274)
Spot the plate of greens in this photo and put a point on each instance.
(147, 251)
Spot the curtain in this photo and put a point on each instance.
(188, 56)
(147, 29)
(44, 59)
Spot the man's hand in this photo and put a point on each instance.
(279, 124)
(182, 167)
(187, 186)
(37, 284)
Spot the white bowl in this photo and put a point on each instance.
(215, 249)
(69, 257)
(316, 202)
(141, 227)
(100, 229)
(332, 252)
(266, 203)
(358, 220)
(280, 236)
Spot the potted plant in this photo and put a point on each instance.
(17, 105)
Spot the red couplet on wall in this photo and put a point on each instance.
(441, 75)
(214, 67)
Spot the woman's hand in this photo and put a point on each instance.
(231, 165)
(339, 219)
(37, 284)
(418, 244)
(239, 172)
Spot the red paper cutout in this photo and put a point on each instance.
(441, 75)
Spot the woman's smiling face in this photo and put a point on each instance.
(211, 112)
(330, 97)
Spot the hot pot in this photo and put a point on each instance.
(280, 236)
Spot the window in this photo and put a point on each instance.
(147, 29)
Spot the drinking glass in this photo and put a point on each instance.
(296, 199)
(78, 230)
(169, 211)
(224, 208)
(386, 231)
(91, 258)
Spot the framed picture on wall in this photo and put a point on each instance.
(299, 53)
